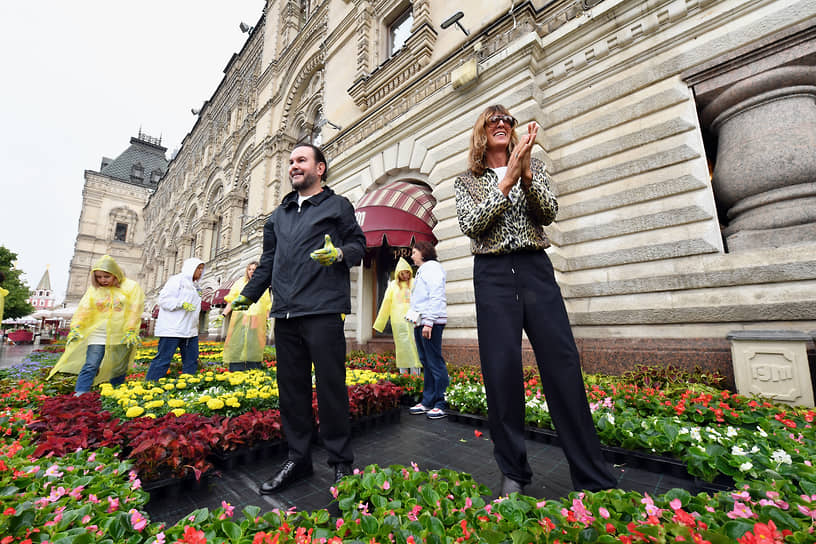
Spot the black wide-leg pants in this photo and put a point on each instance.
(299, 341)
(514, 292)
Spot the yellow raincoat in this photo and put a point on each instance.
(246, 336)
(396, 302)
(3, 293)
(120, 309)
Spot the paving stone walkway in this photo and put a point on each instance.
(431, 444)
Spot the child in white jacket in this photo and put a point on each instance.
(177, 324)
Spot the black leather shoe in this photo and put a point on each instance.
(509, 485)
(341, 470)
(289, 473)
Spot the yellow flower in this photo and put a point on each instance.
(175, 403)
(181, 384)
(134, 411)
(169, 386)
(178, 411)
(215, 404)
(150, 415)
(154, 404)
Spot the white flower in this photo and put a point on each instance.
(745, 467)
(695, 434)
(731, 432)
(762, 433)
(736, 451)
(781, 456)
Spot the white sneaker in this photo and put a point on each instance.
(436, 413)
(417, 409)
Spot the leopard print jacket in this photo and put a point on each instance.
(498, 224)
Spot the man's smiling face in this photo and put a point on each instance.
(304, 170)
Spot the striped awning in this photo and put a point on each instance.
(397, 214)
(222, 291)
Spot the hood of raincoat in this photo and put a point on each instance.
(189, 267)
(107, 264)
(402, 264)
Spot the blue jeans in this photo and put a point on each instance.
(93, 358)
(167, 347)
(436, 372)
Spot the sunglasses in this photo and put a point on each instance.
(508, 120)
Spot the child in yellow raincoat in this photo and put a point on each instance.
(396, 302)
(246, 336)
(104, 330)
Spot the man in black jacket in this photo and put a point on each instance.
(310, 289)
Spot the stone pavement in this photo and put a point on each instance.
(431, 444)
(11, 354)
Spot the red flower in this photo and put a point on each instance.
(193, 536)
(762, 534)
(478, 433)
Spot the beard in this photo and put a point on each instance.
(308, 181)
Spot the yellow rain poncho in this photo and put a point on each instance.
(246, 337)
(396, 302)
(119, 309)
(3, 293)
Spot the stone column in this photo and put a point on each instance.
(765, 172)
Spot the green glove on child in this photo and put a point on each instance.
(131, 338)
(73, 334)
(188, 307)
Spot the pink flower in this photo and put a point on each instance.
(160, 538)
(603, 512)
(228, 510)
(338, 524)
(138, 521)
(86, 519)
(416, 467)
(92, 498)
(76, 493)
(807, 511)
(113, 505)
(740, 511)
(136, 484)
(92, 457)
(675, 504)
(386, 485)
(334, 492)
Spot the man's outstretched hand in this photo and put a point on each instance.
(241, 303)
(328, 254)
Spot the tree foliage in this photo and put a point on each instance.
(15, 303)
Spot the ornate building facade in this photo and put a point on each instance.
(42, 297)
(679, 134)
(111, 221)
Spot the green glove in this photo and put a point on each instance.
(73, 334)
(131, 338)
(328, 255)
(188, 306)
(241, 303)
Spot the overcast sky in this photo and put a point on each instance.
(79, 79)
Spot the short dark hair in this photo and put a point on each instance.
(318, 155)
(427, 250)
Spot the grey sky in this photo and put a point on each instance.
(81, 78)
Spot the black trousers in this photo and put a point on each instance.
(300, 341)
(514, 292)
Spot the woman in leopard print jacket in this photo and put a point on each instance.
(503, 202)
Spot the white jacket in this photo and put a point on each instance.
(174, 321)
(428, 295)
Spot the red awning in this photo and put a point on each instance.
(206, 298)
(397, 214)
(393, 227)
(222, 291)
(155, 313)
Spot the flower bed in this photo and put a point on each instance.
(766, 448)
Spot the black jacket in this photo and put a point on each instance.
(301, 286)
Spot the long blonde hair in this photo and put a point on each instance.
(478, 139)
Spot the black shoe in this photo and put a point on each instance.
(509, 485)
(341, 470)
(237, 367)
(289, 473)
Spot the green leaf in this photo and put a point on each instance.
(734, 529)
(370, 525)
(232, 530)
(251, 512)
